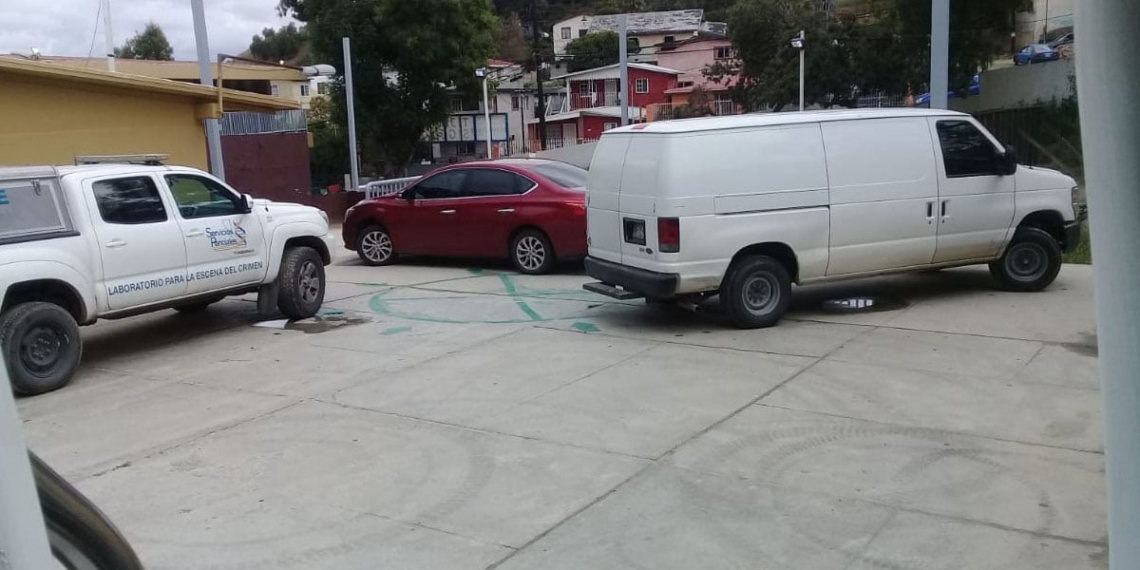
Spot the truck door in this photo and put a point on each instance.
(225, 245)
(139, 241)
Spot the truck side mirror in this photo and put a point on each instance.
(1008, 161)
(246, 205)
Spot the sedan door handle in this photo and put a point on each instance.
(116, 244)
(447, 212)
(196, 233)
(507, 211)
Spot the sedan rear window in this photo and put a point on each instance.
(562, 174)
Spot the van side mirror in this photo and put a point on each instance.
(1007, 162)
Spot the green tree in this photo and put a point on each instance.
(409, 59)
(148, 44)
(288, 44)
(510, 39)
(598, 49)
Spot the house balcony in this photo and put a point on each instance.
(593, 100)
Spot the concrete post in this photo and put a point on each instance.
(206, 77)
(350, 99)
(623, 51)
(108, 35)
(1107, 79)
(487, 112)
(940, 55)
(803, 66)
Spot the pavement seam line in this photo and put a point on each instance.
(911, 329)
(948, 431)
(160, 450)
(603, 332)
(478, 430)
(395, 520)
(856, 557)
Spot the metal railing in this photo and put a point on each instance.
(387, 187)
(592, 100)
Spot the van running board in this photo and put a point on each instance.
(611, 291)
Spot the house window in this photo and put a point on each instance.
(583, 87)
(609, 125)
(516, 102)
(274, 90)
(323, 88)
(304, 90)
(465, 148)
(582, 33)
(725, 52)
(566, 33)
(670, 39)
(641, 86)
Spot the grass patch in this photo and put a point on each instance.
(1083, 252)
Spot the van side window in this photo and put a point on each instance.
(129, 201)
(966, 151)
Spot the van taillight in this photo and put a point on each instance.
(668, 235)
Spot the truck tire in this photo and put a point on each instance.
(41, 346)
(756, 292)
(1030, 263)
(302, 282)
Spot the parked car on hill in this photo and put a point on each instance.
(1036, 53)
(532, 211)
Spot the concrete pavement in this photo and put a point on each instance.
(446, 416)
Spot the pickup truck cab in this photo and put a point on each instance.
(107, 241)
(746, 206)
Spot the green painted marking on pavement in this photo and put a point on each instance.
(586, 328)
(476, 270)
(395, 330)
(509, 286)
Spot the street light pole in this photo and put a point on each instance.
(485, 74)
(940, 55)
(350, 100)
(534, 39)
(206, 77)
(803, 67)
(623, 54)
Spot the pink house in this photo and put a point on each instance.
(690, 57)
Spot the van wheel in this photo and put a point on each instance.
(374, 246)
(40, 343)
(302, 282)
(532, 253)
(756, 292)
(1030, 263)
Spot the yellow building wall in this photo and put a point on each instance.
(52, 123)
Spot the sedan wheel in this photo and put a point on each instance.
(374, 246)
(532, 253)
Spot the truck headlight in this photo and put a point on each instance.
(325, 217)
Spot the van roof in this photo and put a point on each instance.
(769, 119)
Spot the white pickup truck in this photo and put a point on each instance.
(107, 241)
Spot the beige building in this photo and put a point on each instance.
(285, 83)
(1043, 18)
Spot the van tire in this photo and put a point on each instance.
(41, 346)
(374, 246)
(756, 292)
(1030, 263)
(531, 253)
(302, 283)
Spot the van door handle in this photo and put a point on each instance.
(944, 216)
(447, 212)
(116, 244)
(929, 210)
(195, 233)
(507, 211)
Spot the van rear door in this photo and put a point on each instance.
(603, 212)
(639, 194)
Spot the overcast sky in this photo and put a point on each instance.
(65, 27)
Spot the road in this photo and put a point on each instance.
(442, 416)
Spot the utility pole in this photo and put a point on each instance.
(206, 77)
(534, 41)
(108, 36)
(350, 100)
(940, 55)
(1110, 125)
(803, 67)
(623, 51)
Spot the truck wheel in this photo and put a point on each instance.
(41, 345)
(532, 253)
(1030, 263)
(302, 282)
(756, 292)
(374, 246)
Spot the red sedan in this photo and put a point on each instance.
(532, 211)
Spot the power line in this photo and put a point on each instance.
(90, 50)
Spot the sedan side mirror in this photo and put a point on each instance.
(409, 195)
(1007, 162)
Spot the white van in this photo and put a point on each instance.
(744, 206)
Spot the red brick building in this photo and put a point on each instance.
(591, 104)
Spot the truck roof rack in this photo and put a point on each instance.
(144, 159)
